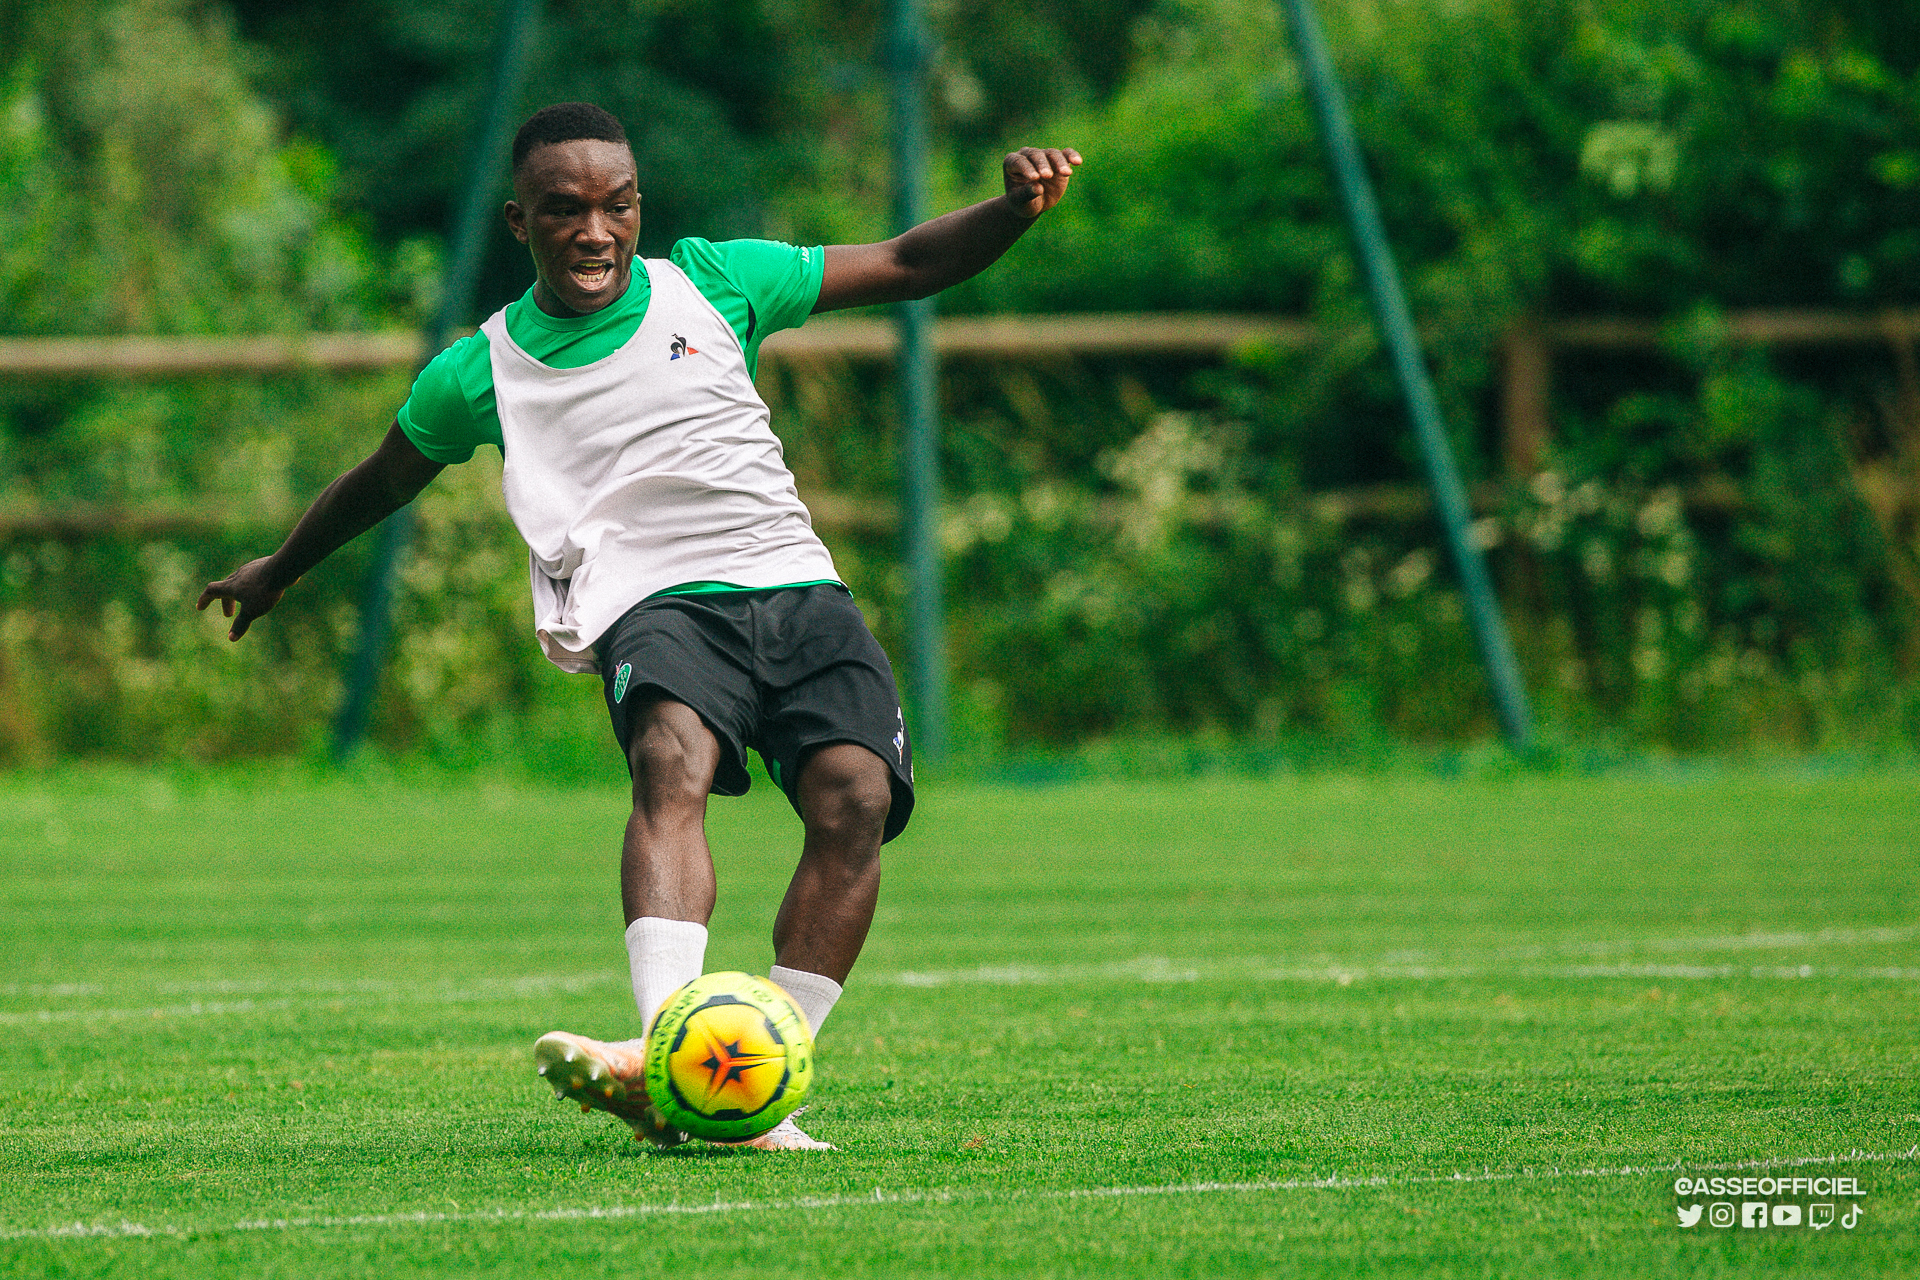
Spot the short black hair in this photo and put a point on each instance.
(564, 122)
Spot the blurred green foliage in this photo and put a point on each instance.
(1564, 156)
(1722, 552)
(1669, 160)
(144, 186)
(753, 117)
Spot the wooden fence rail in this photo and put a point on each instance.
(861, 337)
(1528, 350)
(160, 357)
(74, 523)
(841, 338)
(1886, 492)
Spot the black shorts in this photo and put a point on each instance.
(784, 671)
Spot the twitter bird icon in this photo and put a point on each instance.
(1689, 1214)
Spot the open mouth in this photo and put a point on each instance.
(591, 274)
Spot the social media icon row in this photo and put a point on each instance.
(1758, 1213)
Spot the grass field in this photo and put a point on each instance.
(263, 1025)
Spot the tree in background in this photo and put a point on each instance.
(144, 187)
(763, 117)
(1143, 545)
(1564, 155)
(1666, 160)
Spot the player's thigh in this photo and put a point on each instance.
(844, 793)
(670, 749)
(673, 656)
(831, 684)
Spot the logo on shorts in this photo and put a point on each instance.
(679, 348)
(620, 678)
(900, 736)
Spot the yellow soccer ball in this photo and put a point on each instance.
(729, 1057)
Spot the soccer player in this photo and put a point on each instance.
(670, 552)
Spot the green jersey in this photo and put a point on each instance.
(758, 286)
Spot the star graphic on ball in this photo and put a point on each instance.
(726, 1064)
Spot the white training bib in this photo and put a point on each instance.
(654, 466)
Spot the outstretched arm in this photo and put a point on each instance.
(388, 480)
(950, 248)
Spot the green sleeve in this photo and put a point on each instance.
(760, 286)
(452, 410)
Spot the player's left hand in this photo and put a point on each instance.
(1037, 177)
(250, 587)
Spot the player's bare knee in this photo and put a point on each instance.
(846, 799)
(854, 816)
(670, 769)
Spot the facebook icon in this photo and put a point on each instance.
(1753, 1213)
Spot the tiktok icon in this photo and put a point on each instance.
(1768, 1204)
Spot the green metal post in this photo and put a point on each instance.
(517, 22)
(1396, 328)
(919, 389)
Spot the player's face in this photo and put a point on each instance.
(578, 210)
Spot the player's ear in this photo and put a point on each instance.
(517, 220)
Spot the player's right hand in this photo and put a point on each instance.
(1037, 177)
(250, 587)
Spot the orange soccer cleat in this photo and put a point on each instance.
(605, 1077)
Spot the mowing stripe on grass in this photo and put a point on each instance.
(1012, 976)
(1142, 968)
(1345, 975)
(532, 984)
(1736, 941)
(880, 1196)
(196, 1009)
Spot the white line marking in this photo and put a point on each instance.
(1344, 974)
(954, 1195)
(1732, 942)
(1139, 969)
(475, 989)
(197, 1009)
(1405, 963)
(358, 995)
(371, 993)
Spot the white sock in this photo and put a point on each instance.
(664, 955)
(813, 993)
